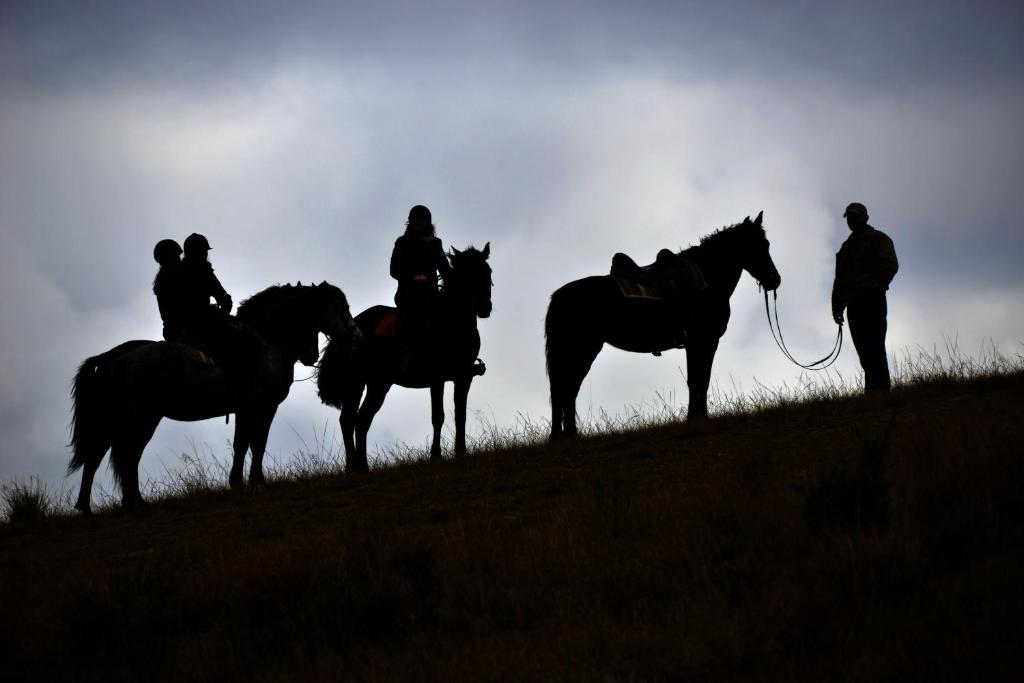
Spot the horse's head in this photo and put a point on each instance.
(755, 257)
(471, 276)
(335, 319)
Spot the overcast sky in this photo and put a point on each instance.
(296, 137)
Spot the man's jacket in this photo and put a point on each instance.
(866, 262)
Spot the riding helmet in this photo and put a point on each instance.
(419, 214)
(166, 250)
(196, 242)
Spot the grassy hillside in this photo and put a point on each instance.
(842, 539)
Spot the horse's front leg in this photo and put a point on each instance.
(436, 417)
(243, 425)
(258, 441)
(699, 357)
(461, 395)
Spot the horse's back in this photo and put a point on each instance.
(583, 293)
(122, 349)
(374, 313)
(598, 307)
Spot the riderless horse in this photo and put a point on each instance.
(586, 314)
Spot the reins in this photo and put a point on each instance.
(820, 364)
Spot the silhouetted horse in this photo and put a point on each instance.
(120, 396)
(585, 314)
(376, 364)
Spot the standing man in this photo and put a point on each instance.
(865, 265)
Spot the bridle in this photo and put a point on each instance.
(820, 364)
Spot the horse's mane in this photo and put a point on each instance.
(727, 236)
(259, 305)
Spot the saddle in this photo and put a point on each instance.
(387, 327)
(225, 343)
(671, 276)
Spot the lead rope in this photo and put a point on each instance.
(817, 365)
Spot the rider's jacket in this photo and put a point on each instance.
(166, 286)
(417, 255)
(196, 283)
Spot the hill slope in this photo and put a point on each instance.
(851, 539)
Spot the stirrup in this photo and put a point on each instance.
(479, 368)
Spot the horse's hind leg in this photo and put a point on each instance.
(579, 365)
(375, 394)
(349, 412)
(92, 463)
(126, 453)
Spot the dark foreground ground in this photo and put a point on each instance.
(848, 540)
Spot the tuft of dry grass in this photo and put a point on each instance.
(27, 502)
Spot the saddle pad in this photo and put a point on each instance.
(635, 290)
(387, 327)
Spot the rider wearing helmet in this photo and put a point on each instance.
(168, 254)
(198, 284)
(208, 326)
(416, 261)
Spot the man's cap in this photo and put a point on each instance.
(419, 213)
(195, 242)
(856, 208)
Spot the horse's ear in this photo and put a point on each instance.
(324, 283)
(455, 252)
(487, 251)
(757, 221)
(746, 221)
(299, 283)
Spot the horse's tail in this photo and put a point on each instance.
(556, 340)
(330, 372)
(90, 433)
(337, 373)
(90, 429)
